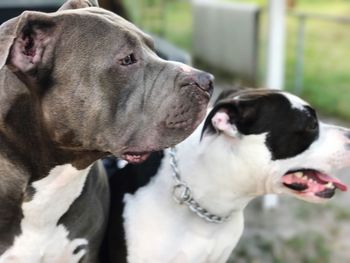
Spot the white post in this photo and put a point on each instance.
(276, 44)
(275, 61)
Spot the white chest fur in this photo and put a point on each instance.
(42, 239)
(154, 220)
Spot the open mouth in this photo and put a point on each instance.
(135, 157)
(312, 183)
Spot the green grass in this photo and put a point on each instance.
(321, 253)
(326, 82)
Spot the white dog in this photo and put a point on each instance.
(252, 143)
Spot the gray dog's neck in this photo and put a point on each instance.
(24, 140)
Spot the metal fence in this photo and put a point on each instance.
(303, 18)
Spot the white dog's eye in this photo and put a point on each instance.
(128, 60)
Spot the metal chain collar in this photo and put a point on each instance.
(182, 194)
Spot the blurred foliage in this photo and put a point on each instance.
(170, 18)
(311, 247)
(326, 82)
(296, 232)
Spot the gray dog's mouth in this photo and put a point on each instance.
(182, 118)
(207, 91)
(135, 157)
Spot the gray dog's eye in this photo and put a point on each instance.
(128, 60)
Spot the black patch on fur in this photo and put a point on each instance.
(290, 131)
(123, 181)
(86, 217)
(11, 216)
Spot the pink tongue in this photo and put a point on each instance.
(325, 178)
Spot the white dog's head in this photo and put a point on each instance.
(272, 142)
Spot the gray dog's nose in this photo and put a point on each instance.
(205, 81)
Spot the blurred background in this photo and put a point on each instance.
(302, 46)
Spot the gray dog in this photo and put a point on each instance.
(77, 85)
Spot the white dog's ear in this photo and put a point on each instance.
(222, 123)
(229, 116)
(221, 119)
(76, 4)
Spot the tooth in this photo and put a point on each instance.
(330, 185)
(304, 177)
(298, 174)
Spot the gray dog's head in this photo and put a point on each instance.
(98, 84)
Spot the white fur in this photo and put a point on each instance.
(296, 102)
(224, 173)
(154, 220)
(42, 240)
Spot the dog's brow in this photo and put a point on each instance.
(148, 41)
(130, 40)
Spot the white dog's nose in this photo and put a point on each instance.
(347, 134)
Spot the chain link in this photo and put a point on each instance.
(182, 194)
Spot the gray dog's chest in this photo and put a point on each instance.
(42, 237)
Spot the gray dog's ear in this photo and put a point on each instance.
(7, 36)
(76, 4)
(26, 42)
